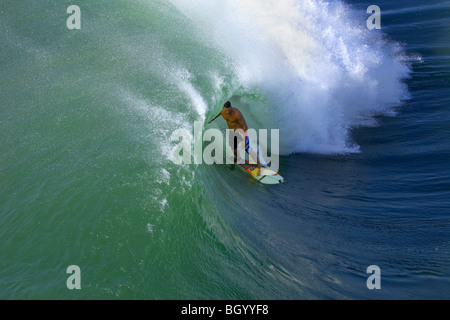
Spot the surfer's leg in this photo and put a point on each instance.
(235, 149)
(234, 144)
(253, 154)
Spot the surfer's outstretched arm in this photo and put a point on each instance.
(220, 113)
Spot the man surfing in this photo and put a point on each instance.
(237, 124)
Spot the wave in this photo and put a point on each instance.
(320, 71)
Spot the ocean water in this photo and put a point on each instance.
(87, 176)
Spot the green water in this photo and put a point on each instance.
(80, 167)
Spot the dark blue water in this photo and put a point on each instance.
(388, 205)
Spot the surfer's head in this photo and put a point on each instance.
(227, 107)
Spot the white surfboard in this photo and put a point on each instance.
(267, 175)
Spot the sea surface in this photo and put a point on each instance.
(87, 170)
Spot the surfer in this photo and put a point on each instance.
(237, 124)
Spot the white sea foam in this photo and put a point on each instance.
(321, 69)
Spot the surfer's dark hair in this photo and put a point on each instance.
(227, 104)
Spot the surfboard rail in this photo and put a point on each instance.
(267, 176)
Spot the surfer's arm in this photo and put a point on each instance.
(216, 117)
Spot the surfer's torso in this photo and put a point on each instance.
(234, 119)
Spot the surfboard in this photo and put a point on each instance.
(267, 176)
